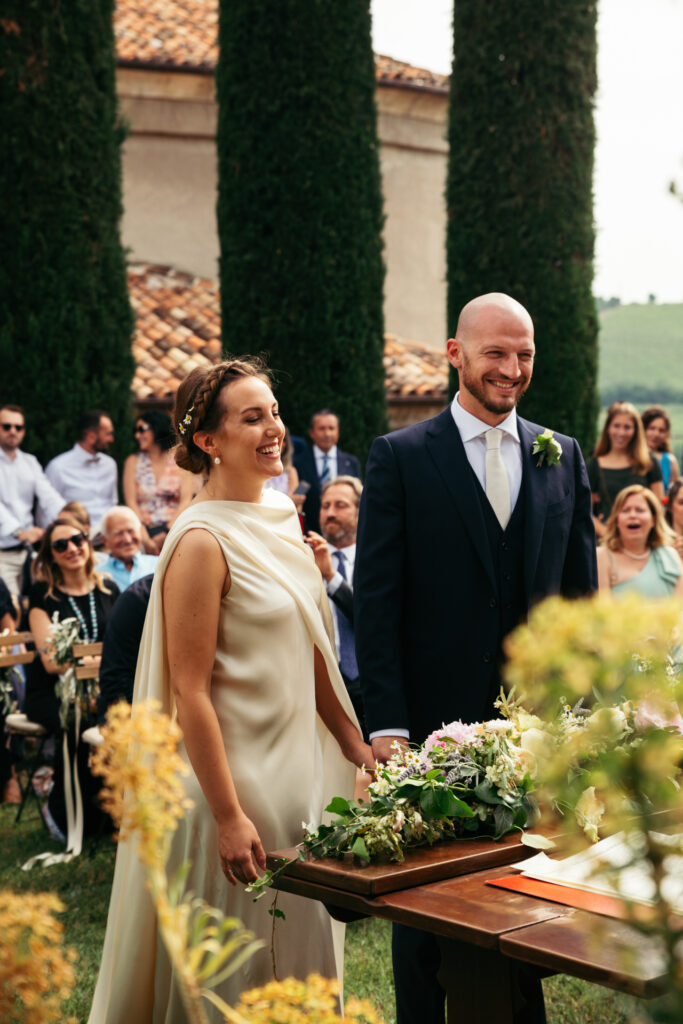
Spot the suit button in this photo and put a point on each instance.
(503, 545)
(486, 658)
(492, 603)
(508, 606)
(507, 576)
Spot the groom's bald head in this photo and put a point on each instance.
(488, 312)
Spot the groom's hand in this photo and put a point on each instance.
(383, 749)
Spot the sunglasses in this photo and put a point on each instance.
(12, 426)
(61, 545)
(141, 428)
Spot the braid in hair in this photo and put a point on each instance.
(197, 406)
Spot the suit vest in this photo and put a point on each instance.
(507, 554)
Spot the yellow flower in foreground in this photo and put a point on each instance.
(141, 767)
(291, 1001)
(36, 972)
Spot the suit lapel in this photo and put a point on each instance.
(447, 451)
(536, 499)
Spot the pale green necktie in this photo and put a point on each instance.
(497, 487)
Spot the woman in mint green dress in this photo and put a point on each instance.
(637, 553)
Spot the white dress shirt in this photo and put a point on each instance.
(90, 479)
(22, 484)
(473, 434)
(319, 455)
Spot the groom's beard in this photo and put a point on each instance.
(485, 395)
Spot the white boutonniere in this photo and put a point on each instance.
(549, 450)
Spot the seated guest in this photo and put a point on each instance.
(335, 556)
(9, 787)
(154, 485)
(69, 586)
(123, 537)
(674, 513)
(657, 427)
(121, 645)
(621, 459)
(24, 490)
(86, 473)
(637, 553)
(322, 462)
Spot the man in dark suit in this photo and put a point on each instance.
(322, 462)
(335, 556)
(460, 532)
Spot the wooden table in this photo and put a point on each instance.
(444, 890)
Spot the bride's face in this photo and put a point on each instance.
(250, 434)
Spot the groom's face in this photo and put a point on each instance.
(495, 363)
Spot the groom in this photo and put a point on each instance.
(460, 532)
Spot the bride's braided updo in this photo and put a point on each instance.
(197, 406)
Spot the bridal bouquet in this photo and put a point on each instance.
(464, 781)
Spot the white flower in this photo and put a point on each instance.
(538, 742)
(589, 812)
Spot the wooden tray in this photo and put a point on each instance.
(421, 866)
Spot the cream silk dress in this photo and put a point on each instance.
(285, 764)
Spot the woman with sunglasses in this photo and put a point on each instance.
(154, 486)
(66, 583)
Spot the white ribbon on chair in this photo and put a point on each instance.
(74, 804)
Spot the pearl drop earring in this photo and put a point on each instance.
(216, 460)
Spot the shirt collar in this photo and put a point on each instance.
(320, 454)
(349, 551)
(470, 426)
(85, 456)
(118, 561)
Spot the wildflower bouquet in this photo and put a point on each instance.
(69, 689)
(464, 781)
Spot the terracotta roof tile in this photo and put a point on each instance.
(184, 34)
(411, 368)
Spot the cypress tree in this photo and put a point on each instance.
(519, 190)
(299, 206)
(65, 318)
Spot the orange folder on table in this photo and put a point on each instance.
(568, 896)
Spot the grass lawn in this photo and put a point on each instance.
(83, 886)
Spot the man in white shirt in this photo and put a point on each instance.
(335, 556)
(86, 473)
(23, 487)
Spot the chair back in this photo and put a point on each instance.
(9, 640)
(87, 651)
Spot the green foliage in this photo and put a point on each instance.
(299, 206)
(519, 190)
(65, 319)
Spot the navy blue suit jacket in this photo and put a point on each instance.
(427, 628)
(304, 463)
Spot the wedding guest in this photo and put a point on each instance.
(637, 553)
(126, 562)
(70, 587)
(237, 644)
(621, 458)
(335, 556)
(24, 489)
(322, 462)
(86, 473)
(154, 486)
(122, 645)
(657, 427)
(674, 513)
(9, 786)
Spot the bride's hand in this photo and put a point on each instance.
(240, 849)
(358, 752)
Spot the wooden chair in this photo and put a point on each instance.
(87, 651)
(33, 735)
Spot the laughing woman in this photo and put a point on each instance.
(637, 555)
(236, 643)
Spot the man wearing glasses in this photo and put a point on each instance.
(85, 473)
(23, 486)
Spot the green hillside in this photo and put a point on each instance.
(641, 359)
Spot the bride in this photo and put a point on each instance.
(237, 644)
